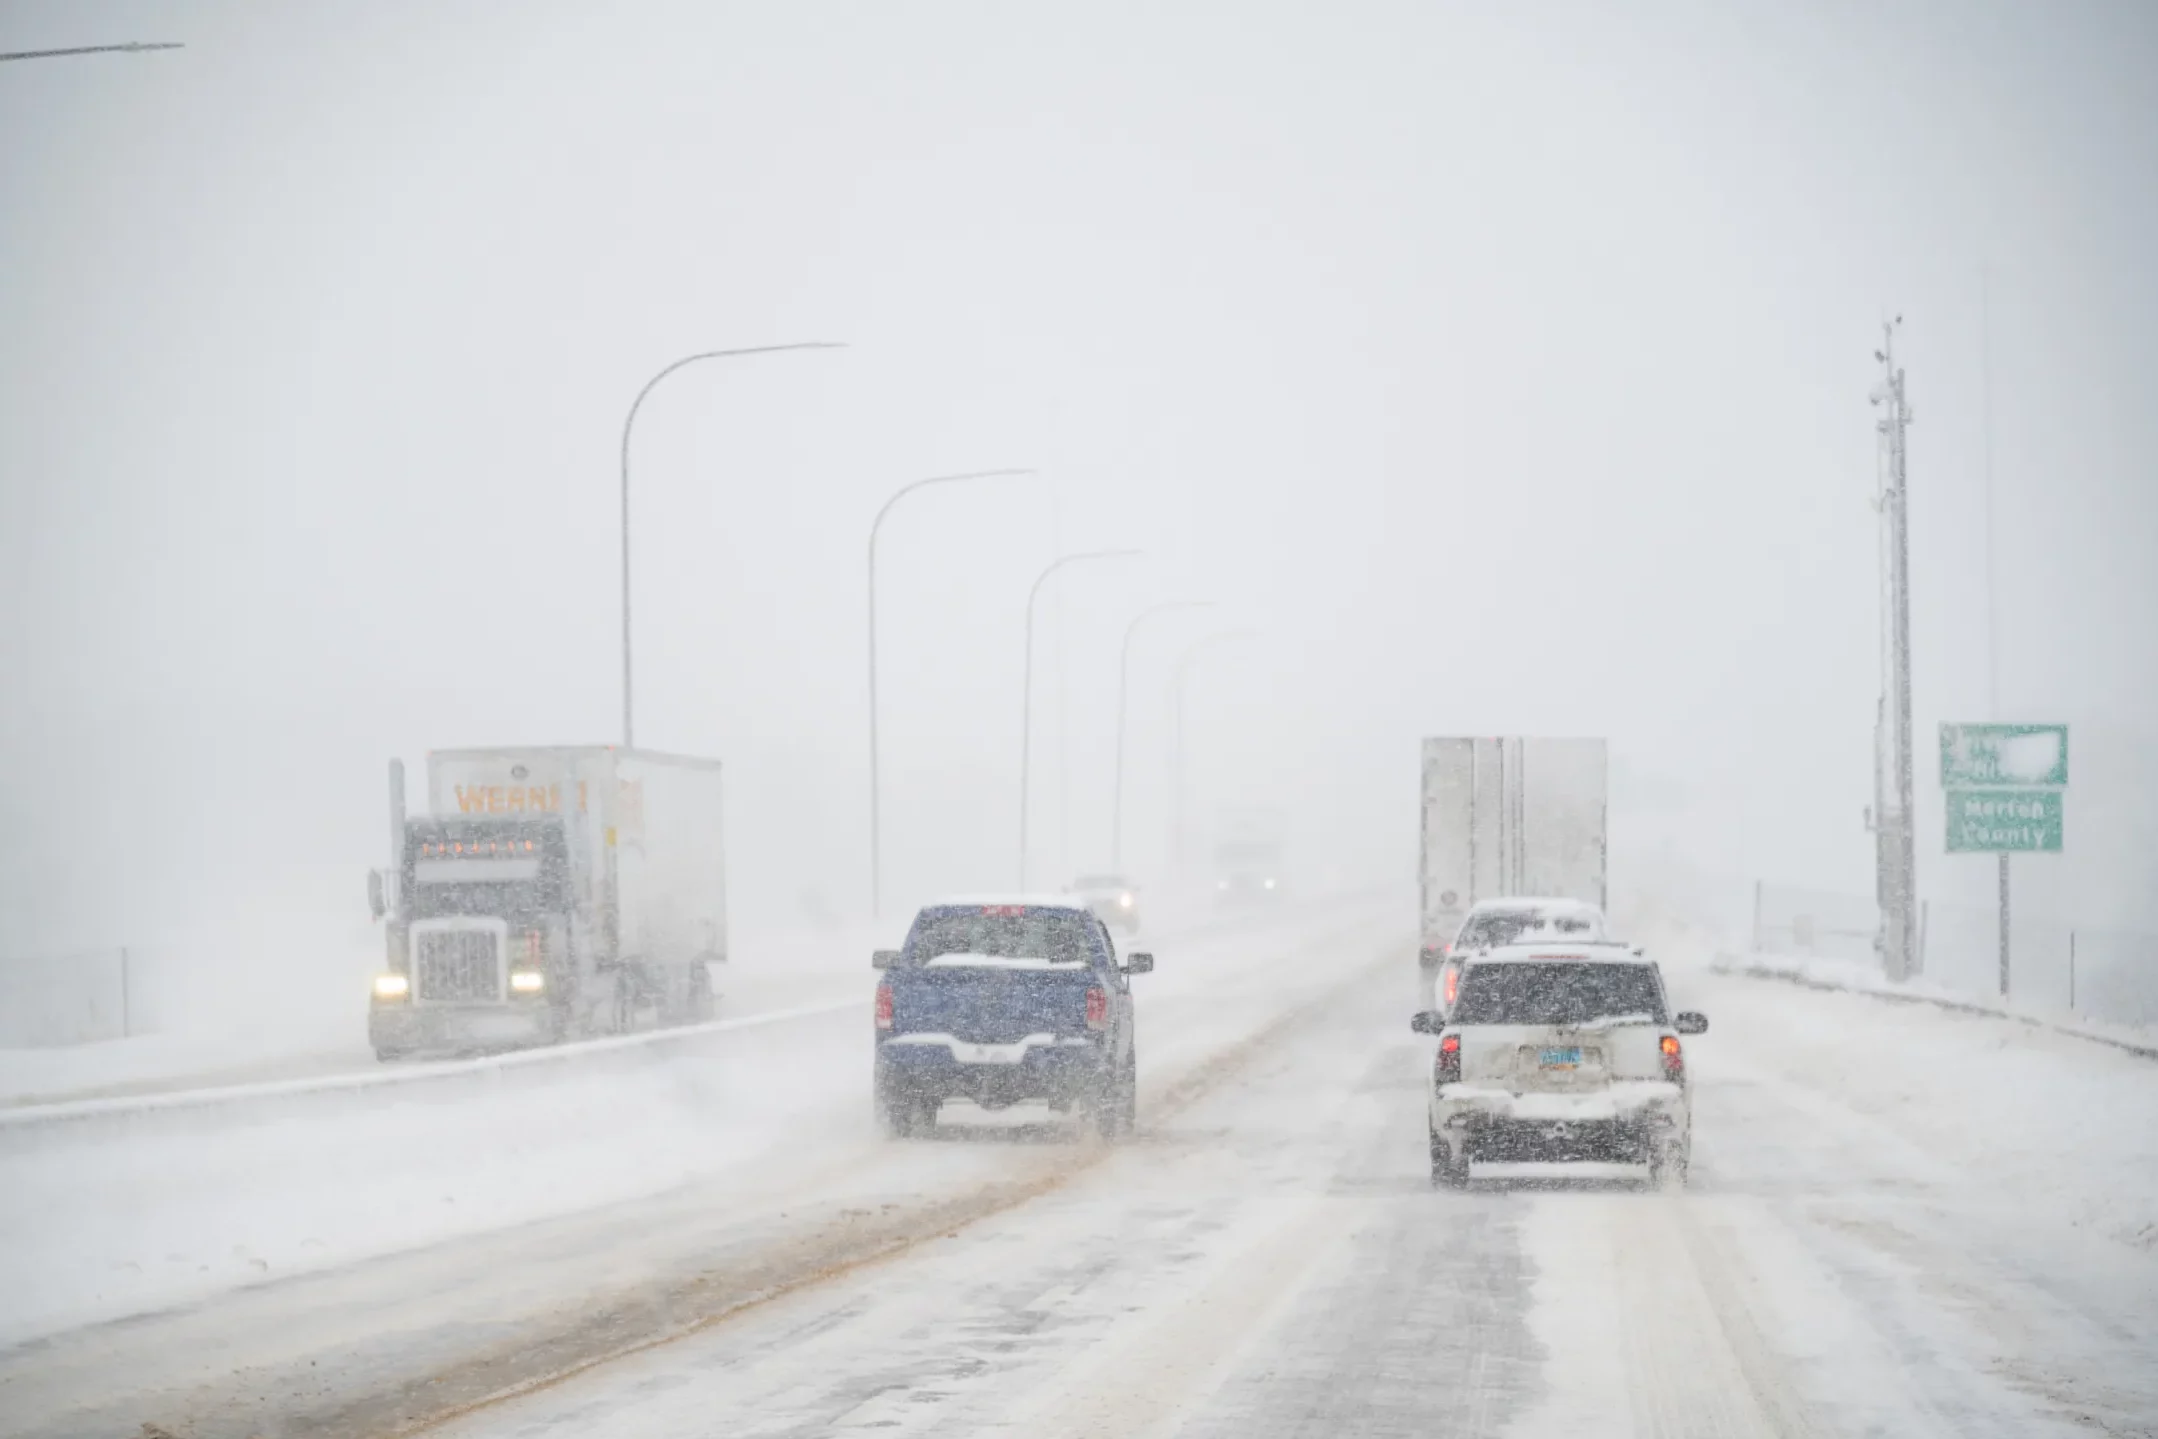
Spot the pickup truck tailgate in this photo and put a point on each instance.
(991, 1005)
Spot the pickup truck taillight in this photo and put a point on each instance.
(1674, 1060)
(1447, 1068)
(884, 1006)
(1097, 1008)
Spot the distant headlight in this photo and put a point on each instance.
(1124, 900)
(527, 981)
(1222, 885)
(392, 986)
(1270, 884)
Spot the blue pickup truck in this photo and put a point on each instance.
(1003, 1000)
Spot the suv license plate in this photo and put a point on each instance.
(1560, 1059)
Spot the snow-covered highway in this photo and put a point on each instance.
(1901, 1221)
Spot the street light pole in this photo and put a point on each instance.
(1123, 692)
(1026, 702)
(876, 827)
(1184, 665)
(130, 48)
(629, 735)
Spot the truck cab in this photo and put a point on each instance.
(483, 933)
(552, 893)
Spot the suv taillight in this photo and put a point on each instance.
(1452, 986)
(1674, 1060)
(1097, 1008)
(1447, 1068)
(884, 1006)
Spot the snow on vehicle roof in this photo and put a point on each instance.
(1001, 961)
(1576, 951)
(1531, 904)
(1008, 901)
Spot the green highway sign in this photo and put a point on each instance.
(2004, 821)
(2034, 755)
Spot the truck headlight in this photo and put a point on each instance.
(1125, 900)
(527, 981)
(392, 986)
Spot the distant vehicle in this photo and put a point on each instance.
(1499, 922)
(1002, 1000)
(1113, 899)
(1248, 871)
(551, 894)
(1562, 1052)
(1508, 816)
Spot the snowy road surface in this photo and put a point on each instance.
(1900, 1223)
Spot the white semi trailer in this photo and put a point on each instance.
(551, 893)
(1509, 816)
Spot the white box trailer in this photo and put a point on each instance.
(1510, 816)
(552, 893)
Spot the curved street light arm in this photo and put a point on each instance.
(1026, 686)
(1184, 664)
(876, 824)
(629, 423)
(1123, 691)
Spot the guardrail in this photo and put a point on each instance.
(164, 1107)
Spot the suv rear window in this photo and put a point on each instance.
(1058, 935)
(1547, 992)
(1500, 928)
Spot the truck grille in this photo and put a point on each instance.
(458, 964)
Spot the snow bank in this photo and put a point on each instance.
(2052, 1128)
(1858, 977)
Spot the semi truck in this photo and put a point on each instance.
(549, 894)
(1509, 816)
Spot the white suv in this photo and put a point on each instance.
(1496, 923)
(1559, 1052)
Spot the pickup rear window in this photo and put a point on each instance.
(1555, 992)
(1056, 935)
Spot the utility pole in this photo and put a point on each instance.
(1895, 849)
(1993, 613)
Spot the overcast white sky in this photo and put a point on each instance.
(1502, 367)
